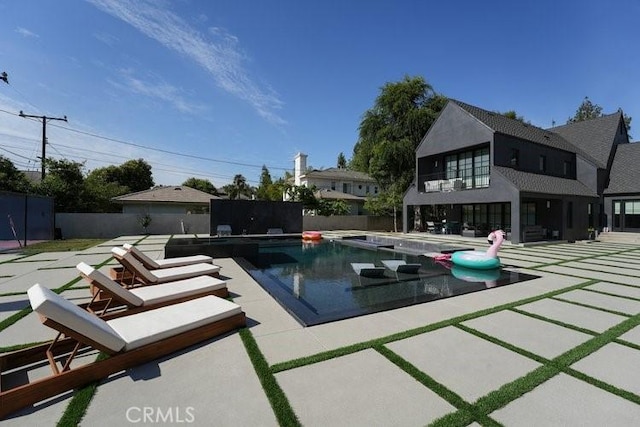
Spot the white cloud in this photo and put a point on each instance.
(220, 56)
(26, 33)
(158, 89)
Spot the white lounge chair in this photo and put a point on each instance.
(129, 340)
(155, 264)
(367, 269)
(401, 266)
(162, 275)
(144, 298)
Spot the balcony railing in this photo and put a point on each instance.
(455, 180)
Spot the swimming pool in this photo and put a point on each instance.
(315, 283)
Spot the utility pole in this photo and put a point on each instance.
(44, 119)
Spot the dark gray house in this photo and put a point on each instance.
(622, 196)
(478, 171)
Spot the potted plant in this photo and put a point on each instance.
(145, 222)
(592, 233)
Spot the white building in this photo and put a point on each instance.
(336, 183)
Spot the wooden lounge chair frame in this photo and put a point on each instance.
(152, 264)
(103, 300)
(67, 379)
(135, 267)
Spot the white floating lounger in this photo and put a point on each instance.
(367, 269)
(155, 264)
(401, 266)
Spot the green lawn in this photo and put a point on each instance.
(61, 245)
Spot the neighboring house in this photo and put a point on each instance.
(485, 171)
(336, 184)
(622, 196)
(166, 200)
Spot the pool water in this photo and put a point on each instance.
(316, 283)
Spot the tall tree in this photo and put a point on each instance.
(391, 131)
(513, 115)
(11, 179)
(64, 182)
(135, 174)
(342, 161)
(264, 190)
(588, 110)
(238, 187)
(202, 185)
(100, 188)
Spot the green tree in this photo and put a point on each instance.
(588, 110)
(99, 189)
(265, 190)
(327, 207)
(391, 131)
(513, 115)
(135, 174)
(64, 181)
(238, 188)
(342, 161)
(11, 179)
(201, 184)
(304, 194)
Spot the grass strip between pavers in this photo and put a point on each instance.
(278, 400)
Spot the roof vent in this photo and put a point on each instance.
(178, 188)
(546, 136)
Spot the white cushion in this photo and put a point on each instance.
(185, 260)
(155, 325)
(129, 260)
(163, 292)
(169, 262)
(51, 305)
(187, 271)
(106, 284)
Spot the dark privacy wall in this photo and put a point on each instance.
(256, 216)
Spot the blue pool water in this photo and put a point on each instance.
(316, 283)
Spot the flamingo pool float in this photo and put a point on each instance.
(479, 259)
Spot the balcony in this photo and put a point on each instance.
(455, 180)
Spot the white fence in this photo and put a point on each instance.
(110, 225)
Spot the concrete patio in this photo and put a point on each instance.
(575, 327)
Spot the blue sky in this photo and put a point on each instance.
(215, 88)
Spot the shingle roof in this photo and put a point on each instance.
(595, 136)
(339, 173)
(625, 174)
(504, 125)
(171, 194)
(537, 183)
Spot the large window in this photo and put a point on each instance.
(528, 213)
(632, 214)
(471, 167)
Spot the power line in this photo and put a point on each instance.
(44, 133)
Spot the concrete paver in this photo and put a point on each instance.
(537, 336)
(566, 401)
(583, 317)
(361, 389)
(623, 373)
(608, 302)
(454, 357)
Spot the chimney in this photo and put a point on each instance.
(300, 167)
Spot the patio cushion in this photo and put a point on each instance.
(174, 290)
(169, 262)
(184, 272)
(155, 325)
(52, 306)
(105, 283)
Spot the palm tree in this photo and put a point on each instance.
(238, 187)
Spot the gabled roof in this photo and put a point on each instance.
(625, 174)
(338, 174)
(595, 136)
(537, 183)
(170, 194)
(516, 128)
